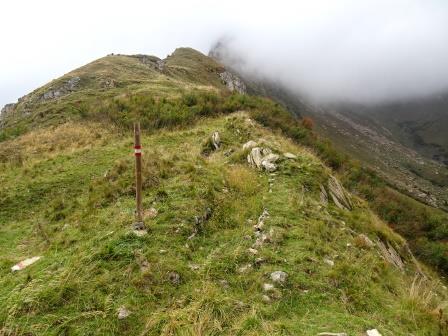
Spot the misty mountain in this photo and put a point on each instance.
(405, 141)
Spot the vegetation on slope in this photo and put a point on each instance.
(67, 195)
(72, 202)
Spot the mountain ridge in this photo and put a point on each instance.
(280, 251)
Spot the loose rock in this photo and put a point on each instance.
(250, 144)
(123, 313)
(337, 192)
(174, 278)
(267, 287)
(216, 140)
(329, 262)
(279, 277)
(290, 156)
(373, 332)
(150, 213)
(24, 263)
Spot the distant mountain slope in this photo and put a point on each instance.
(114, 76)
(405, 143)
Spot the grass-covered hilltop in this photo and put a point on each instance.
(264, 229)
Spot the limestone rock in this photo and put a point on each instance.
(267, 287)
(391, 255)
(266, 298)
(215, 140)
(123, 313)
(262, 158)
(323, 196)
(290, 156)
(254, 157)
(329, 262)
(24, 263)
(338, 194)
(363, 241)
(250, 144)
(279, 277)
(150, 213)
(233, 82)
(373, 332)
(62, 90)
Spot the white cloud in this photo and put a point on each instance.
(329, 49)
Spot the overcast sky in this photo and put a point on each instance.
(347, 49)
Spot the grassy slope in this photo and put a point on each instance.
(62, 205)
(67, 195)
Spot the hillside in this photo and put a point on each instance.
(232, 248)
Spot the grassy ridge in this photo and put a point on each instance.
(92, 265)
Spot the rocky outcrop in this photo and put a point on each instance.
(215, 140)
(5, 112)
(391, 255)
(250, 144)
(263, 159)
(233, 82)
(66, 88)
(338, 194)
(323, 196)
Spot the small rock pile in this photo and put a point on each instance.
(263, 159)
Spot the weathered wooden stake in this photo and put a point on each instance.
(138, 225)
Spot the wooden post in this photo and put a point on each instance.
(138, 225)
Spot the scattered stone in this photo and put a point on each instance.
(250, 144)
(224, 283)
(258, 261)
(216, 140)
(329, 262)
(200, 220)
(123, 313)
(373, 332)
(279, 277)
(260, 223)
(363, 241)
(150, 213)
(194, 267)
(266, 298)
(323, 196)
(254, 157)
(141, 260)
(262, 158)
(245, 268)
(337, 192)
(139, 233)
(391, 255)
(174, 278)
(331, 334)
(268, 162)
(24, 263)
(253, 251)
(290, 156)
(267, 287)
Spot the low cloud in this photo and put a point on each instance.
(360, 51)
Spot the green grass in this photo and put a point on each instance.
(92, 264)
(66, 193)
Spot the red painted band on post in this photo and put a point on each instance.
(138, 147)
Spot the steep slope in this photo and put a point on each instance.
(72, 95)
(404, 142)
(72, 204)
